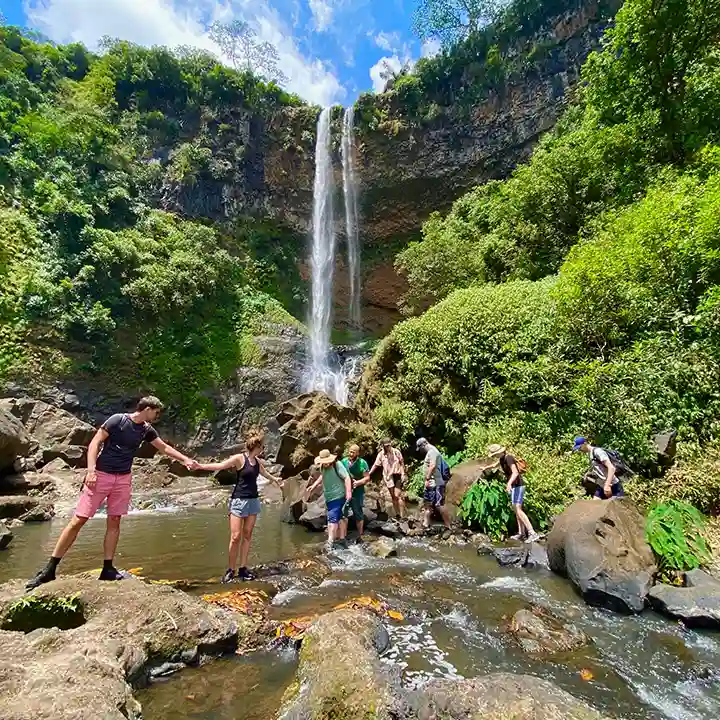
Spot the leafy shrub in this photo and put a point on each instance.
(486, 507)
(35, 611)
(674, 531)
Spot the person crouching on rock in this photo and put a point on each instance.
(109, 477)
(602, 471)
(337, 489)
(394, 475)
(516, 491)
(359, 474)
(244, 505)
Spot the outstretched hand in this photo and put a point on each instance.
(191, 464)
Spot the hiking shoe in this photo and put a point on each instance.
(228, 577)
(245, 574)
(517, 536)
(46, 575)
(534, 537)
(110, 574)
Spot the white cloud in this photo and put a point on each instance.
(429, 48)
(390, 62)
(183, 22)
(387, 41)
(322, 13)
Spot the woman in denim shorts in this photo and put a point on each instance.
(244, 505)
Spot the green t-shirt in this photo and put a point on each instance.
(358, 469)
(334, 482)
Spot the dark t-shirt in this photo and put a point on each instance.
(246, 484)
(506, 463)
(124, 440)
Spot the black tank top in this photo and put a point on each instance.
(246, 484)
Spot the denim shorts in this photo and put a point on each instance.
(434, 496)
(335, 510)
(517, 494)
(244, 507)
(617, 490)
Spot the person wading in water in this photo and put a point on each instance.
(359, 474)
(337, 489)
(109, 477)
(244, 505)
(394, 475)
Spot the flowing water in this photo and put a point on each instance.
(455, 605)
(351, 213)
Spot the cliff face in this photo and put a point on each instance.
(406, 169)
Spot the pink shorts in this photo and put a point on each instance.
(116, 489)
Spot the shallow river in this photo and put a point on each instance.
(455, 605)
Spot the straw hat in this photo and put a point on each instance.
(496, 450)
(325, 458)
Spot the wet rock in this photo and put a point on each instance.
(539, 632)
(131, 629)
(14, 440)
(512, 556)
(315, 516)
(601, 548)
(308, 424)
(383, 548)
(537, 557)
(15, 506)
(25, 483)
(500, 695)
(293, 492)
(42, 512)
(5, 537)
(351, 684)
(74, 455)
(697, 605)
(392, 528)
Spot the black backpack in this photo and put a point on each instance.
(622, 469)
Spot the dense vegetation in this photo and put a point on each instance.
(581, 295)
(114, 256)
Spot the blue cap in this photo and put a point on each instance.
(579, 442)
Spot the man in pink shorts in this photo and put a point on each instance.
(109, 478)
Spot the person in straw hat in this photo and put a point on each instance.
(337, 489)
(516, 490)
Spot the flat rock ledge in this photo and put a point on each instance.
(356, 685)
(120, 636)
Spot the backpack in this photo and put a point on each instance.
(522, 466)
(445, 473)
(622, 469)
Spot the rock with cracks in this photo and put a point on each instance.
(131, 631)
(600, 546)
(14, 440)
(697, 605)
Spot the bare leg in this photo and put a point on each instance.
(396, 507)
(398, 502)
(342, 529)
(332, 532)
(112, 535)
(247, 531)
(524, 520)
(69, 535)
(360, 525)
(445, 515)
(427, 514)
(236, 533)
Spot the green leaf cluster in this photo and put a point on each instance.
(674, 531)
(486, 507)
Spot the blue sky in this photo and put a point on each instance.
(331, 50)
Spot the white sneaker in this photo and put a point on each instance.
(533, 538)
(516, 537)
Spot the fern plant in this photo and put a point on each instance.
(674, 531)
(486, 507)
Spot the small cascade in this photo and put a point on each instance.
(351, 214)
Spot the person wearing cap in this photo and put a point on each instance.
(359, 474)
(516, 490)
(434, 495)
(391, 461)
(337, 489)
(602, 471)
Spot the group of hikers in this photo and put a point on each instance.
(108, 479)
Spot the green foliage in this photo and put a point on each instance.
(452, 20)
(674, 531)
(486, 507)
(36, 611)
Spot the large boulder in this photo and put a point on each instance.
(58, 432)
(340, 674)
(539, 632)
(600, 546)
(315, 516)
(309, 423)
(463, 477)
(14, 441)
(5, 536)
(499, 696)
(18, 506)
(118, 635)
(697, 605)
(293, 493)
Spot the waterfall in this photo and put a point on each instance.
(351, 213)
(321, 377)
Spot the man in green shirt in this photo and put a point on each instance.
(359, 474)
(337, 489)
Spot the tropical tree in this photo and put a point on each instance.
(452, 20)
